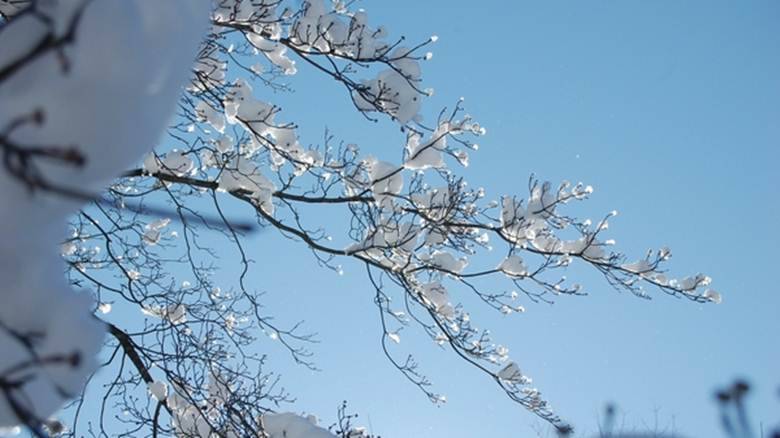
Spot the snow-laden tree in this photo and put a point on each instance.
(87, 87)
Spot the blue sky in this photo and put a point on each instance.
(670, 110)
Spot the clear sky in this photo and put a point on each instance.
(671, 110)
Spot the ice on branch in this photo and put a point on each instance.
(511, 373)
(242, 11)
(241, 106)
(517, 223)
(435, 204)
(639, 267)
(436, 294)
(176, 163)
(264, 29)
(513, 266)
(275, 52)
(68, 249)
(424, 155)
(289, 425)
(712, 296)
(340, 32)
(174, 313)
(445, 262)
(201, 418)
(258, 119)
(395, 337)
(342, 35)
(387, 180)
(209, 72)
(389, 243)
(244, 175)
(153, 231)
(211, 116)
(392, 91)
(158, 390)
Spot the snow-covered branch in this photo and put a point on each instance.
(417, 227)
(54, 153)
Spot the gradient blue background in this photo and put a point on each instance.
(671, 110)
